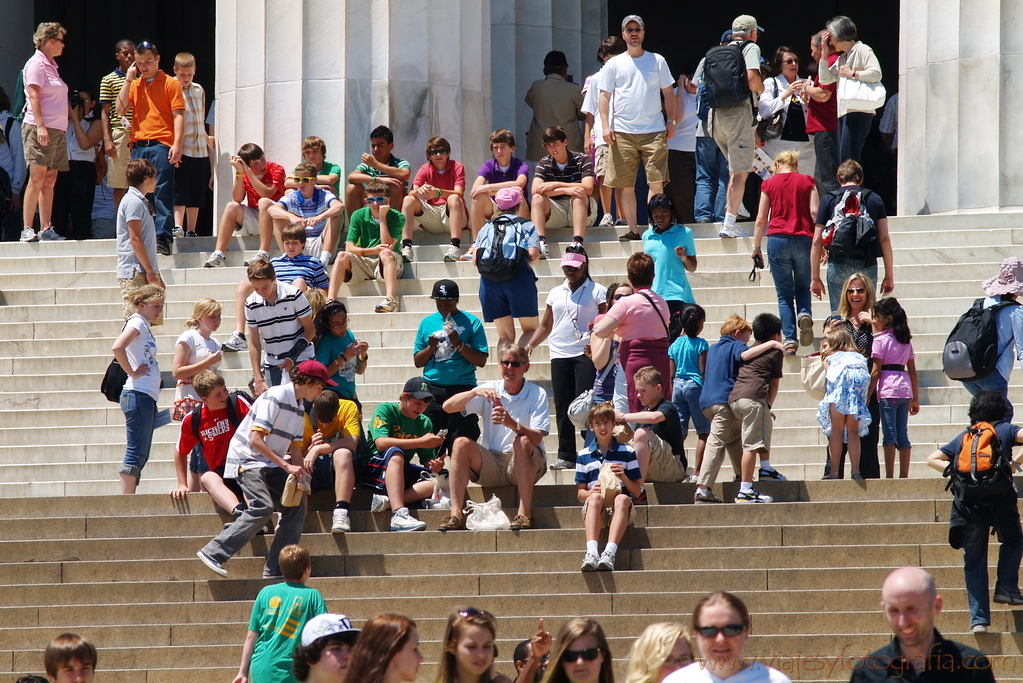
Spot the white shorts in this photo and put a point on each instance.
(250, 222)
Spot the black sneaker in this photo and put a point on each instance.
(191, 233)
(1008, 597)
(163, 246)
(771, 474)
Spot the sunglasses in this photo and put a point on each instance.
(731, 630)
(856, 290)
(790, 61)
(377, 200)
(59, 40)
(570, 269)
(145, 45)
(438, 152)
(633, 30)
(300, 179)
(589, 654)
(660, 203)
(473, 612)
(512, 363)
(678, 662)
(337, 326)
(619, 296)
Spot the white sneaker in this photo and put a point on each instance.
(379, 503)
(606, 562)
(51, 235)
(406, 254)
(453, 254)
(590, 561)
(401, 520)
(216, 260)
(388, 305)
(341, 524)
(732, 231)
(442, 503)
(178, 231)
(235, 343)
(259, 256)
(544, 251)
(606, 221)
(211, 563)
(752, 496)
(29, 235)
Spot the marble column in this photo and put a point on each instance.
(287, 69)
(960, 139)
(522, 32)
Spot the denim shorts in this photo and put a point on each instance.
(686, 397)
(895, 422)
(139, 410)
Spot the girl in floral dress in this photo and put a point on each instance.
(844, 408)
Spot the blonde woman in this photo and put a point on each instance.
(790, 199)
(661, 649)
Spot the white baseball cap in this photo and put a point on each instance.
(323, 625)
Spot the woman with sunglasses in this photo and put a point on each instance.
(790, 199)
(855, 315)
(572, 307)
(674, 253)
(470, 648)
(783, 94)
(341, 353)
(721, 623)
(661, 649)
(387, 651)
(581, 654)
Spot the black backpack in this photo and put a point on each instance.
(491, 262)
(850, 233)
(232, 412)
(971, 350)
(724, 76)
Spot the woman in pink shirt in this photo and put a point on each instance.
(641, 320)
(44, 130)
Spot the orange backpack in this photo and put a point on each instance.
(981, 470)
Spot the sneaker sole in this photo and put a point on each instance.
(805, 331)
(336, 530)
(604, 568)
(749, 501)
(588, 568)
(416, 528)
(1002, 600)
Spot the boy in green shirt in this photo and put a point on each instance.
(328, 175)
(371, 250)
(278, 616)
(397, 433)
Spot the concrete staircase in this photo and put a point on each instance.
(810, 566)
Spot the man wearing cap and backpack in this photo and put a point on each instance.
(980, 465)
(731, 85)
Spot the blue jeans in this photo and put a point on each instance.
(838, 273)
(711, 181)
(163, 198)
(686, 397)
(140, 416)
(789, 257)
(992, 382)
(852, 133)
(1010, 553)
(895, 422)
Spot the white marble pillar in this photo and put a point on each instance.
(287, 69)
(961, 92)
(522, 32)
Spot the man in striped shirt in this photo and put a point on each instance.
(115, 134)
(258, 457)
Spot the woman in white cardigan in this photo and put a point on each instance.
(858, 63)
(783, 93)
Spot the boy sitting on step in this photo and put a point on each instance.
(613, 506)
(210, 429)
(658, 440)
(331, 461)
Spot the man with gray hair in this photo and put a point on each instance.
(910, 602)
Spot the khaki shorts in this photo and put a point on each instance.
(53, 156)
(371, 268)
(435, 218)
(561, 212)
(314, 246)
(498, 469)
(250, 222)
(724, 437)
(631, 149)
(732, 129)
(664, 466)
(129, 286)
(756, 423)
(600, 155)
(116, 166)
(607, 513)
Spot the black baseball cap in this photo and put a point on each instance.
(418, 387)
(445, 290)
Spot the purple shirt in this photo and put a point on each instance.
(888, 351)
(42, 72)
(493, 173)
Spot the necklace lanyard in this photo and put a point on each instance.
(578, 309)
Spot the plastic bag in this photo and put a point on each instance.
(441, 498)
(487, 516)
(294, 488)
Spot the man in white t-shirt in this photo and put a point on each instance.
(514, 419)
(631, 86)
(593, 134)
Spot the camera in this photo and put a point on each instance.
(74, 98)
(758, 261)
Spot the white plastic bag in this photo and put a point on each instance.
(487, 516)
(441, 498)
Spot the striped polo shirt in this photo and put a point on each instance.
(277, 322)
(278, 416)
(310, 269)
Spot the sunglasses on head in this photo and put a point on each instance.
(731, 630)
(660, 203)
(377, 200)
(473, 612)
(145, 45)
(589, 654)
(302, 179)
(512, 363)
(438, 152)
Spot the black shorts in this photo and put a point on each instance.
(197, 462)
(371, 474)
(191, 180)
(323, 474)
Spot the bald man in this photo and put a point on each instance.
(910, 601)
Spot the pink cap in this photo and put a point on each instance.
(573, 260)
(508, 198)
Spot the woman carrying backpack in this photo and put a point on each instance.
(975, 510)
(505, 249)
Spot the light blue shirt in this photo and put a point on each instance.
(1010, 336)
(670, 280)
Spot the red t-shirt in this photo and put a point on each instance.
(823, 116)
(428, 174)
(274, 175)
(790, 204)
(216, 432)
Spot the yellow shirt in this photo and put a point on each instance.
(345, 423)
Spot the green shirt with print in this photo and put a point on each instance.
(388, 421)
